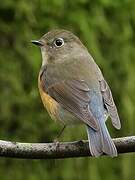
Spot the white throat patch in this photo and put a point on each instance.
(44, 56)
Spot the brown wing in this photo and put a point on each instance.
(109, 104)
(74, 96)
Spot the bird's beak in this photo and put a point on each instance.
(37, 43)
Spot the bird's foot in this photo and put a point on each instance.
(56, 142)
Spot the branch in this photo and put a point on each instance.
(58, 150)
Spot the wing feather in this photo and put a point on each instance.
(109, 104)
(75, 97)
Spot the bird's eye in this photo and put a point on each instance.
(58, 42)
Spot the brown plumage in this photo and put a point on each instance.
(73, 89)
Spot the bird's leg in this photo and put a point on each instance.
(57, 137)
(61, 131)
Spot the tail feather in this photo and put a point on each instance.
(95, 143)
(100, 142)
(108, 144)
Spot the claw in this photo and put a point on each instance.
(56, 142)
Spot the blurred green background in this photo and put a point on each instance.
(107, 28)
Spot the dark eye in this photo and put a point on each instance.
(59, 42)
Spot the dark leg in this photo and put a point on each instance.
(59, 134)
(56, 139)
(61, 131)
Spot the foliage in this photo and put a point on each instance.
(107, 28)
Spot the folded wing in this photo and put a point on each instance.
(74, 96)
(109, 104)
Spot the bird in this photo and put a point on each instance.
(74, 90)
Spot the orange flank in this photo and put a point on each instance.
(50, 104)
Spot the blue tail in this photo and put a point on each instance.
(100, 142)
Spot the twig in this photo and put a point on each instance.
(58, 150)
